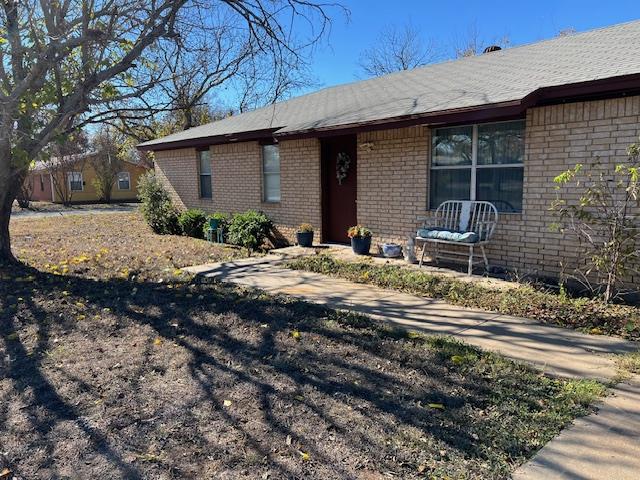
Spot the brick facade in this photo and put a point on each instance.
(237, 181)
(393, 172)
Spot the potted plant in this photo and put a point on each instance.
(304, 235)
(360, 239)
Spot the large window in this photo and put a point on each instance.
(204, 158)
(124, 181)
(479, 162)
(271, 173)
(76, 184)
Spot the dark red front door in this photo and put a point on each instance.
(338, 195)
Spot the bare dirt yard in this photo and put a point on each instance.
(113, 364)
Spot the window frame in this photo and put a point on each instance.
(474, 166)
(69, 182)
(265, 173)
(200, 174)
(128, 181)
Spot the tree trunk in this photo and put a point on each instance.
(7, 196)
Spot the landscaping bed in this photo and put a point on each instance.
(585, 314)
(150, 375)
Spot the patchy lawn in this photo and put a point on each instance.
(588, 315)
(57, 207)
(105, 377)
(117, 245)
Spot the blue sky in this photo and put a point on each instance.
(445, 21)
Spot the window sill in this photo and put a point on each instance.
(271, 202)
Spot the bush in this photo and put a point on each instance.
(192, 222)
(249, 229)
(157, 208)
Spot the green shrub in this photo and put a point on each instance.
(192, 222)
(249, 229)
(223, 221)
(157, 208)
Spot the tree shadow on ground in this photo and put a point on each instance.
(116, 379)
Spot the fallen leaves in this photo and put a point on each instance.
(227, 403)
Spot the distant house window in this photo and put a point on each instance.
(479, 162)
(271, 173)
(76, 184)
(204, 157)
(124, 181)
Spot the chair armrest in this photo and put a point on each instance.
(428, 222)
(486, 229)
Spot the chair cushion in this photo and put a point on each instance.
(448, 235)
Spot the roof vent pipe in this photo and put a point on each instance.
(492, 48)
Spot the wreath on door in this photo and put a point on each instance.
(343, 162)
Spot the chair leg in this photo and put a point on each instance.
(424, 247)
(484, 255)
(470, 269)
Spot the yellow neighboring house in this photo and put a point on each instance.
(74, 179)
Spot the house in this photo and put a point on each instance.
(73, 179)
(498, 127)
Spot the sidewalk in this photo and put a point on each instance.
(603, 445)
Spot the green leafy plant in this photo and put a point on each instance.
(249, 229)
(305, 228)
(157, 208)
(192, 222)
(358, 231)
(604, 220)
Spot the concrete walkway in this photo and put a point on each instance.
(604, 445)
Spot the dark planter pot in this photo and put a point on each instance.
(305, 239)
(361, 246)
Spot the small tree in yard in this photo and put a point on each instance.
(107, 162)
(157, 208)
(24, 195)
(605, 220)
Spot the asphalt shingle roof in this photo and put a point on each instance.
(494, 78)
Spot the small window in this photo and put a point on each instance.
(479, 162)
(271, 173)
(76, 184)
(124, 181)
(42, 183)
(204, 158)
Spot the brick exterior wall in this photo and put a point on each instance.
(393, 173)
(237, 182)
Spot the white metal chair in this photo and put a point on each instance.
(466, 223)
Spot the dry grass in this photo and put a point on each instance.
(114, 245)
(104, 377)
